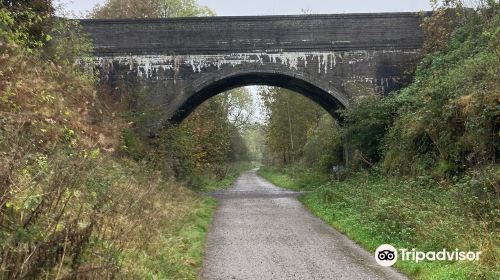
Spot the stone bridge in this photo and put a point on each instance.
(181, 62)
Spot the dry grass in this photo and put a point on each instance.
(70, 207)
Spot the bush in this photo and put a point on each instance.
(324, 148)
(451, 121)
(367, 122)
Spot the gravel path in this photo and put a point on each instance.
(261, 231)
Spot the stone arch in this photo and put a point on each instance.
(204, 88)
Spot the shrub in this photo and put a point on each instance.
(451, 122)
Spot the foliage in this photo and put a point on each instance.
(150, 9)
(69, 206)
(451, 118)
(26, 22)
(439, 27)
(254, 137)
(204, 142)
(46, 148)
(289, 117)
(299, 132)
(209, 182)
(294, 178)
(182, 249)
(240, 107)
(168, 243)
(324, 146)
(447, 120)
(68, 43)
(367, 122)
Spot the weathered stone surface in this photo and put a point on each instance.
(182, 62)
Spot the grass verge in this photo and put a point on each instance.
(160, 225)
(373, 210)
(295, 179)
(179, 253)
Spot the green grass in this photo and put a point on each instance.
(353, 224)
(180, 252)
(182, 256)
(296, 179)
(373, 210)
(280, 179)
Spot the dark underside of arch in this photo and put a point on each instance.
(316, 94)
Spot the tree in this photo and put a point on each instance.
(206, 139)
(367, 122)
(324, 148)
(290, 117)
(254, 137)
(240, 107)
(30, 21)
(150, 9)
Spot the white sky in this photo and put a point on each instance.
(283, 7)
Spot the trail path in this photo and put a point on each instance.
(263, 232)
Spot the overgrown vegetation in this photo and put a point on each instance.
(208, 147)
(82, 194)
(423, 170)
(449, 120)
(298, 131)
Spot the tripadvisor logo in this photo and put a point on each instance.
(387, 255)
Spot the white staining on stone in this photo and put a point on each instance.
(382, 84)
(290, 59)
(147, 65)
(131, 63)
(385, 82)
(323, 63)
(333, 62)
(393, 51)
(341, 42)
(359, 56)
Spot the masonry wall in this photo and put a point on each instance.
(259, 33)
